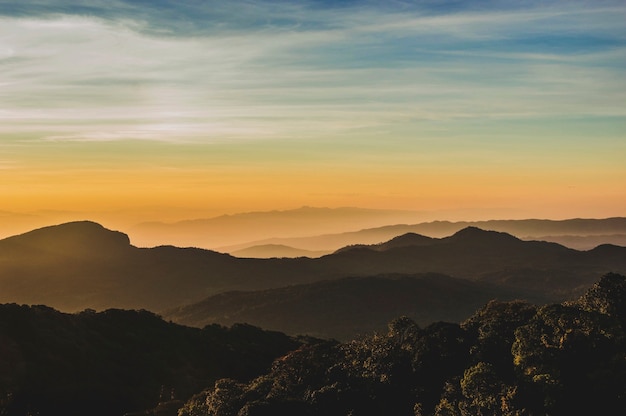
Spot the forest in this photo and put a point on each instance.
(118, 361)
(508, 358)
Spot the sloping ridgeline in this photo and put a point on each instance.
(348, 307)
(82, 265)
(507, 359)
(476, 266)
(116, 361)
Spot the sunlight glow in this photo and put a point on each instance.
(516, 110)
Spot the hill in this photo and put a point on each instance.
(583, 242)
(489, 256)
(506, 359)
(242, 227)
(580, 234)
(82, 265)
(345, 308)
(118, 361)
(78, 238)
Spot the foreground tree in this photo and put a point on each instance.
(509, 359)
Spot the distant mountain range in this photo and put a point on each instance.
(226, 230)
(327, 229)
(267, 251)
(81, 265)
(580, 234)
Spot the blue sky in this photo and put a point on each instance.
(485, 87)
(249, 62)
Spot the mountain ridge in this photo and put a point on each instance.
(578, 233)
(237, 228)
(75, 236)
(117, 274)
(347, 307)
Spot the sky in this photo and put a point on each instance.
(165, 110)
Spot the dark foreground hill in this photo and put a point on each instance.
(507, 359)
(344, 308)
(83, 265)
(118, 361)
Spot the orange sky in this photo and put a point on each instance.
(136, 113)
(197, 190)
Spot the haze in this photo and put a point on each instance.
(124, 112)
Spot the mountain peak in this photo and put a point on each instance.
(478, 235)
(71, 237)
(406, 240)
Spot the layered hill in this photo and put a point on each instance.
(345, 308)
(83, 265)
(242, 227)
(117, 361)
(579, 233)
(509, 358)
(490, 256)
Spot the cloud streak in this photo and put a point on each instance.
(249, 104)
(110, 69)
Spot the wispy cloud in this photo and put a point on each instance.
(251, 101)
(163, 71)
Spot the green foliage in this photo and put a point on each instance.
(117, 361)
(509, 359)
(492, 330)
(481, 386)
(573, 358)
(484, 393)
(608, 297)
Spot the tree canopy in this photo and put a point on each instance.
(509, 358)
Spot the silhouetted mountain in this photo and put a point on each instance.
(496, 257)
(77, 238)
(470, 253)
(82, 265)
(345, 308)
(478, 237)
(328, 242)
(238, 228)
(405, 240)
(574, 233)
(583, 242)
(117, 361)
